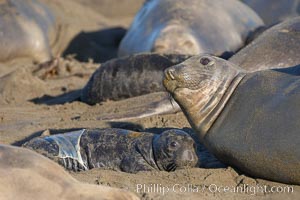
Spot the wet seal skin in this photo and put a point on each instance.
(118, 149)
(27, 175)
(277, 47)
(247, 120)
(190, 27)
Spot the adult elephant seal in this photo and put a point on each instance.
(274, 11)
(27, 175)
(118, 149)
(277, 47)
(190, 27)
(248, 120)
(27, 30)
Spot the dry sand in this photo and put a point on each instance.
(24, 87)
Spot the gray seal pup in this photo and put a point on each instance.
(27, 30)
(190, 27)
(277, 47)
(118, 149)
(275, 11)
(27, 175)
(247, 120)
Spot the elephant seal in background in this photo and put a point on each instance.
(118, 149)
(247, 120)
(27, 175)
(27, 27)
(190, 27)
(274, 11)
(277, 47)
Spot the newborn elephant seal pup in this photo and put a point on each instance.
(190, 27)
(118, 149)
(27, 175)
(248, 120)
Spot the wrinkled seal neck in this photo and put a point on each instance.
(145, 147)
(157, 151)
(202, 114)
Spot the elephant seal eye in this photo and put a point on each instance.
(205, 61)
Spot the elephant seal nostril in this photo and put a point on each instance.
(170, 74)
(191, 156)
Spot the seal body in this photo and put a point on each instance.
(248, 120)
(118, 149)
(27, 27)
(277, 47)
(190, 27)
(274, 11)
(137, 77)
(129, 76)
(28, 175)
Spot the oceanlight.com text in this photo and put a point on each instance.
(213, 188)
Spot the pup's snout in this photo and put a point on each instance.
(189, 158)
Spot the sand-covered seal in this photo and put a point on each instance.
(28, 175)
(27, 30)
(118, 149)
(274, 11)
(190, 27)
(248, 120)
(277, 47)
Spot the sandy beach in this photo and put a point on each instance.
(25, 112)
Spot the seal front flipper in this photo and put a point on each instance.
(143, 106)
(61, 99)
(134, 165)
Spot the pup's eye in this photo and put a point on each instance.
(206, 61)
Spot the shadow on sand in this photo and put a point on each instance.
(99, 46)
